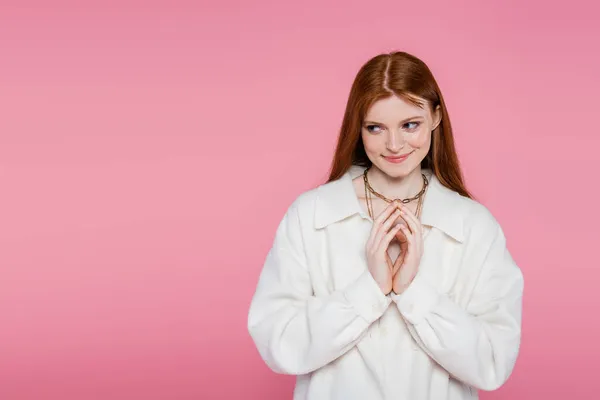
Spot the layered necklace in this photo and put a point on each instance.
(369, 192)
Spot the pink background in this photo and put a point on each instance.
(149, 149)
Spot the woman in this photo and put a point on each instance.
(389, 281)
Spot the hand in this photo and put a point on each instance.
(380, 266)
(411, 247)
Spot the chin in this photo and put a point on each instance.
(396, 171)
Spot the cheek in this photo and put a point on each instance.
(420, 140)
(371, 143)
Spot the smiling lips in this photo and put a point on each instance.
(397, 159)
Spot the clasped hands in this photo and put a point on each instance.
(396, 221)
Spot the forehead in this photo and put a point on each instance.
(395, 108)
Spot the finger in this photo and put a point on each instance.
(385, 242)
(388, 259)
(405, 246)
(406, 255)
(410, 237)
(376, 223)
(399, 262)
(411, 220)
(379, 229)
(385, 227)
(417, 230)
(409, 240)
(401, 237)
(387, 212)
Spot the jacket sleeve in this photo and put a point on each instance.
(477, 343)
(295, 331)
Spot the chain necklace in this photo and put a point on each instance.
(369, 191)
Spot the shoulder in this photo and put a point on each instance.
(327, 203)
(301, 209)
(460, 217)
(305, 203)
(479, 223)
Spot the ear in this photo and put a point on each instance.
(437, 117)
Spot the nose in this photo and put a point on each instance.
(395, 141)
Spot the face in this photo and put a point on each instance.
(397, 135)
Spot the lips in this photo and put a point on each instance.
(397, 159)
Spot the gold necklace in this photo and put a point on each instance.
(419, 208)
(369, 199)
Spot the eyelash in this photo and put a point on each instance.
(417, 123)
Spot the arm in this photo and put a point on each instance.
(296, 332)
(477, 344)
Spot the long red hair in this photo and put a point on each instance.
(403, 75)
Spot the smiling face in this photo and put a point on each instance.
(397, 134)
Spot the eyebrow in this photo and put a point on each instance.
(405, 120)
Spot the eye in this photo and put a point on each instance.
(373, 128)
(411, 126)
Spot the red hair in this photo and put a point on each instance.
(403, 75)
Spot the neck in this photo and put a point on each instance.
(396, 188)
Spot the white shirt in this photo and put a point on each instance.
(317, 312)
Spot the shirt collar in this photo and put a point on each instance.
(337, 200)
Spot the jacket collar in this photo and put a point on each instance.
(337, 200)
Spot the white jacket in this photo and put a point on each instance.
(317, 312)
